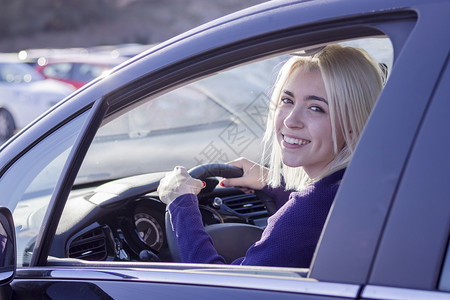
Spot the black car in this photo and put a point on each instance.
(81, 180)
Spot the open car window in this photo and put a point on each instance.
(215, 119)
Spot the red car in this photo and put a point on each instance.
(77, 70)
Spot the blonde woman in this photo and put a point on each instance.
(322, 103)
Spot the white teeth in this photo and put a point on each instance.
(295, 141)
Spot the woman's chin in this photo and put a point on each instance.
(291, 164)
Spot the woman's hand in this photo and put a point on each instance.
(254, 177)
(176, 183)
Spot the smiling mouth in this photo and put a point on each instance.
(294, 141)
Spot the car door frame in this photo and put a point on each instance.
(363, 215)
(414, 243)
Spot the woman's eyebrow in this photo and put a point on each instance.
(309, 97)
(291, 94)
(313, 97)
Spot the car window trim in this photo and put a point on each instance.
(65, 183)
(214, 277)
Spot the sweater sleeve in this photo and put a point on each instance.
(289, 239)
(292, 233)
(279, 195)
(193, 241)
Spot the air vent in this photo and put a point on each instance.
(89, 246)
(248, 205)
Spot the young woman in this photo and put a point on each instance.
(322, 103)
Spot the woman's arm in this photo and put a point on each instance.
(194, 244)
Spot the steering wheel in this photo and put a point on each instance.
(202, 172)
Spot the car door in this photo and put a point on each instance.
(383, 154)
(414, 244)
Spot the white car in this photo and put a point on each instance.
(24, 95)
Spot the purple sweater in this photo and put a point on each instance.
(289, 240)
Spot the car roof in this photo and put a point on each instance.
(9, 58)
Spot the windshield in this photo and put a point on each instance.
(18, 73)
(28, 185)
(215, 119)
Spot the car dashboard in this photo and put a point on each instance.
(124, 220)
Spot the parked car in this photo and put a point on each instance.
(127, 50)
(24, 95)
(81, 181)
(77, 70)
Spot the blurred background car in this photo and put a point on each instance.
(120, 50)
(77, 70)
(24, 95)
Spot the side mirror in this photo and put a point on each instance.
(7, 247)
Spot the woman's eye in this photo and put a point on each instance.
(317, 109)
(286, 100)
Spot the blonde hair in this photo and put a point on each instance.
(353, 82)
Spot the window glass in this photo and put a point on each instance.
(380, 49)
(18, 73)
(87, 72)
(444, 284)
(58, 70)
(29, 183)
(216, 119)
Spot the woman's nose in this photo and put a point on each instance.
(294, 119)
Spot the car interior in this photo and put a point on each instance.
(114, 213)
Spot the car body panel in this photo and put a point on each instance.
(79, 69)
(27, 101)
(24, 93)
(392, 293)
(216, 279)
(409, 231)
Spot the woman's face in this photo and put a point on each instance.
(303, 124)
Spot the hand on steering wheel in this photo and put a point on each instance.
(238, 170)
(169, 188)
(176, 183)
(254, 176)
